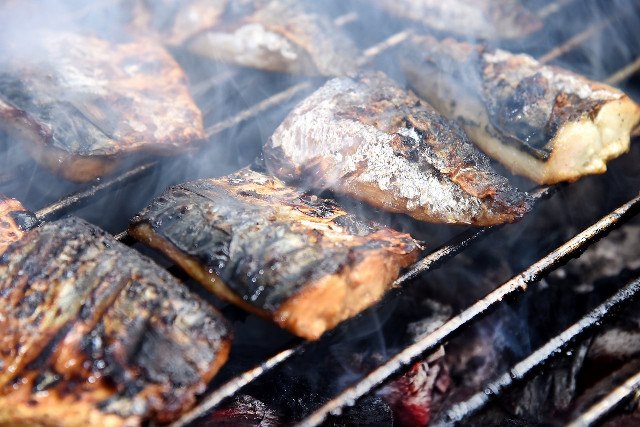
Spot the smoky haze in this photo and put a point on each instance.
(608, 41)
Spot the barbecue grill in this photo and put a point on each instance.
(262, 101)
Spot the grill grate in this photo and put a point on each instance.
(402, 360)
(517, 284)
(620, 394)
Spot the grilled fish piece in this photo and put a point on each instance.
(370, 139)
(278, 35)
(81, 103)
(174, 21)
(543, 122)
(14, 221)
(93, 333)
(481, 19)
(296, 259)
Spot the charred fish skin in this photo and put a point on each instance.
(81, 103)
(479, 19)
(370, 139)
(543, 122)
(297, 259)
(93, 332)
(15, 220)
(278, 35)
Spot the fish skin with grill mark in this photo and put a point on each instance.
(81, 104)
(480, 19)
(14, 221)
(93, 333)
(542, 122)
(278, 35)
(296, 259)
(370, 139)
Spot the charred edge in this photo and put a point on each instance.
(25, 220)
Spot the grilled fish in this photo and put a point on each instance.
(370, 139)
(296, 259)
(93, 333)
(543, 122)
(82, 103)
(173, 21)
(14, 221)
(278, 35)
(480, 19)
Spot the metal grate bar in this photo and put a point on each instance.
(260, 107)
(74, 200)
(624, 73)
(435, 258)
(614, 399)
(552, 8)
(234, 385)
(517, 284)
(386, 44)
(539, 358)
(574, 41)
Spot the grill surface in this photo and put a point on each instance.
(88, 200)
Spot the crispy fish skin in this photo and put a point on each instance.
(543, 122)
(370, 139)
(278, 35)
(93, 333)
(14, 221)
(482, 19)
(81, 103)
(296, 259)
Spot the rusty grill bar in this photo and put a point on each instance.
(518, 284)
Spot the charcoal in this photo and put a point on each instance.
(243, 411)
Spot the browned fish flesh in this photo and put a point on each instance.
(94, 333)
(174, 21)
(296, 259)
(278, 35)
(543, 122)
(480, 19)
(81, 103)
(370, 139)
(14, 221)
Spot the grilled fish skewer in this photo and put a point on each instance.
(543, 122)
(296, 259)
(370, 139)
(93, 333)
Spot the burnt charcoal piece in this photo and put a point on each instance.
(370, 139)
(275, 251)
(543, 122)
(369, 411)
(81, 103)
(14, 221)
(277, 35)
(243, 411)
(412, 396)
(93, 333)
(480, 19)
